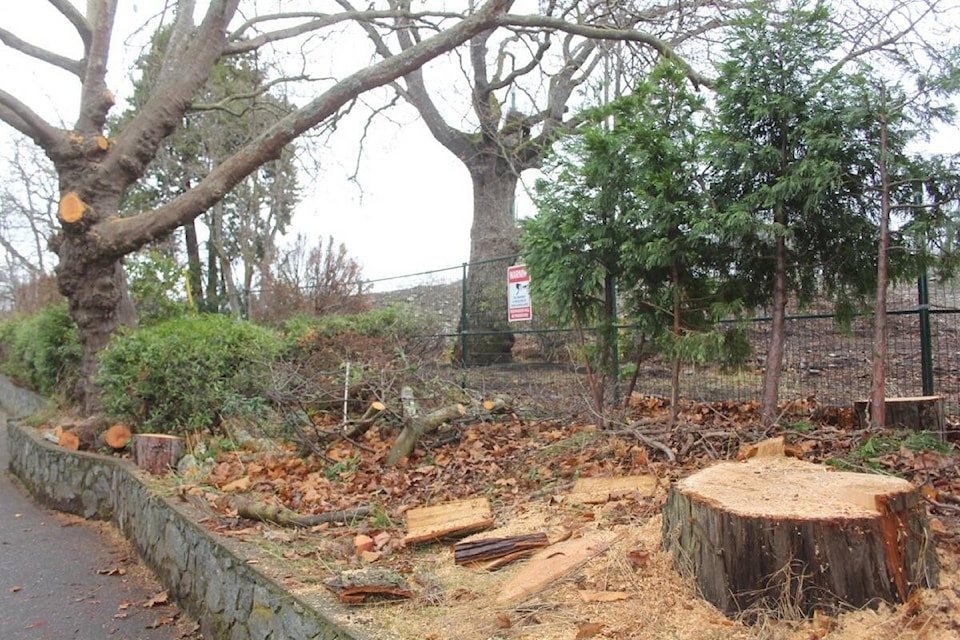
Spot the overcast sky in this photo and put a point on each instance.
(411, 210)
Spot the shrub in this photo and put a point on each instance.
(184, 374)
(42, 351)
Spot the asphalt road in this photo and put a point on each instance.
(63, 577)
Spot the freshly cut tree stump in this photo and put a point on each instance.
(157, 452)
(919, 413)
(786, 537)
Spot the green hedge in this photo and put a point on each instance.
(42, 351)
(185, 374)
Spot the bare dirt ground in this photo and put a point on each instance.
(526, 469)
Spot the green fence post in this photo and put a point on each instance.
(926, 343)
(463, 317)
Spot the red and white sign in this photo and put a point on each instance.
(518, 294)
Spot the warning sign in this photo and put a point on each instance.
(518, 294)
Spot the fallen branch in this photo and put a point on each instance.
(289, 518)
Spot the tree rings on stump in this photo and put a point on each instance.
(786, 537)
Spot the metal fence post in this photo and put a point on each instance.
(463, 317)
(926, 343)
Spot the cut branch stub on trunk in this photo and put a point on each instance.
(788, 537)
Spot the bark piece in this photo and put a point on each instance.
(157, 452)
(449, 520)
(481, 552)
(600, 490)
(552, 563)
(788, 537)
(359, 586)
(919, 413)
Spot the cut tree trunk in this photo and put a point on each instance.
(157, 452)
(918, 413)
(116, 437)
(788, 537)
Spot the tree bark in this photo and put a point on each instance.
(785, 537)
(157, 452)
(494, 234)
(778, 328)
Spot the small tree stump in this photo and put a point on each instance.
(918, 413)
(787, 537)
(157, 452)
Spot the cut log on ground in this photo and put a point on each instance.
(69, 440)
(449, 520)
(488, 551)
(918, 413)
(157, 452)
(116, 437)
(289, 518)
(788, 537)
(419, 425)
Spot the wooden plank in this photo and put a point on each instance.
(453, 519)
(553, 563)
(600, 490)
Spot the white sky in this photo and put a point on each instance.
(410, 212)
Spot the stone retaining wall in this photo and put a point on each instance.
(205, 574)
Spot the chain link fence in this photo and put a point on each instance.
(824, 361)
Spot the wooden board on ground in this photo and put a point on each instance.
(553, 563)
(823, 539)
(449, 520)
(600, 490)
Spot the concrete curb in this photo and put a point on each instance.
(206, 575)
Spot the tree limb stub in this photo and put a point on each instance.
(72, 210)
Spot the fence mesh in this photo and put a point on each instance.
(824, 361)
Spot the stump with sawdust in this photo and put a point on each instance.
(784, 538)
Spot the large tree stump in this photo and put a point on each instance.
(157, 452)
(787, 537)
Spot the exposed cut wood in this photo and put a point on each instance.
(288, 518)
(600, 490)
(69, 440)
(769, 447)
(363, 424)
(418, 425)
(783, 535)
(553, 563)
(481, 552)
(72, 208)
(359, 586)
(116, 437)
(157, 452)
(449, 520)
(919, 413)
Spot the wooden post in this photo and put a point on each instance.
(157, 452)
(788, 537)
